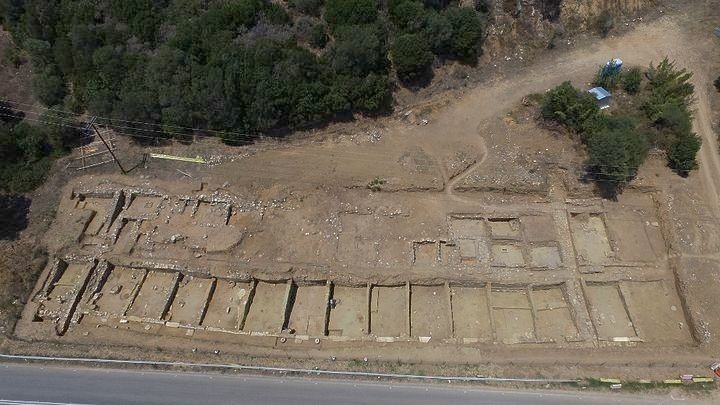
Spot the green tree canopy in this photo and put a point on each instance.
(411, 56)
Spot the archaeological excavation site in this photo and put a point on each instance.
(202, 266)
(460, 231)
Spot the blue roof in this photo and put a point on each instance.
(599, 93)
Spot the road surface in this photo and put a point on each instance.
(36, 384)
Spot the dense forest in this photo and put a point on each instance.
(247, 66)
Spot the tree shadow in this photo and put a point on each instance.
(14, 210)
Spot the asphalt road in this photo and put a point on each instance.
(35, 384)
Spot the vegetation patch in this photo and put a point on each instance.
(249, 66)
(656, 114)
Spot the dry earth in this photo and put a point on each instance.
(479, 245)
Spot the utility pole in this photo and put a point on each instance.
(122, 169)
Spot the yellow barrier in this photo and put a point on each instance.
(178, 158)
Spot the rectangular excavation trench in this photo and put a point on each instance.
(513, 315)
(155, 294)
(307, 305)
(349, 315)
(590, 238)
(119, 290)
(471, 314)
(430, 312)
(554, 318)
(657, 312)
(227, 304)
(608, 311)
(191, 300)
(267, 307)
(388, 311)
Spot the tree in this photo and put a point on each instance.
(49, 86)
(350, 12)
(683, 152)
(616, 152)
(411, 57)
(667, 84)
(318, 37)
(570, 107)
(357, 50)
(309, 7)
(467, 30)
(631, 80)
(409, 16)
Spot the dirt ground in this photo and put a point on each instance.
(479, 242)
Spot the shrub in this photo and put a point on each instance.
(276, 14)
(309, 7)
(348, 12)
(412, 57)
(49, 86)
(318, 37)
(604, 23)
(608, 81)
(717, 84)
(569, 106)
(631, 80)
(409, 16)
(467, 30)
(616, 152)
(683, 152)
(667, 84)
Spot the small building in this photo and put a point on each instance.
(602, 96)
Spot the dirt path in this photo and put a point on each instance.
(709, 160)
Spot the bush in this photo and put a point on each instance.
(357, 50)
(348, 12)
(49, 86)
(604, 23)
(412, 57)
(616, 152)
(309, 7)
(717, 84)
(631, 80)
(667, 84)
(683, 152)
(318, 37)
(608, 81)
(466, 32)
(409, 16)
(569, 106)
(276, 14)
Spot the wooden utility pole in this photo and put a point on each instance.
(110, 149)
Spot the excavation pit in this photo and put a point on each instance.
(507, 256)
(388, 311)
(267, 308)
(471, 314)
(119, 290)
(554, 317)
(590, 238)
(349, 315)
(309, 306)
(190, 302)
(430, 312)
(545, 257)
(226, 307)
(513, 316)
(154, 296)
(504, 228)
(608, 312)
